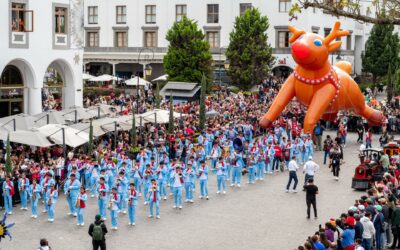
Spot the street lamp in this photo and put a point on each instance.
(147, 72)
(227, 64)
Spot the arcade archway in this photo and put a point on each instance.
(11, 91)
(282, 71)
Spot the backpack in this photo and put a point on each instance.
(317, 130)
(98, 232)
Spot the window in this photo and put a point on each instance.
(244, 7)
(212, 13)
(213, 38)
(22, 19)
(348, 42)
(92, 14)
(283, 39)
(150, 39)
(121, 39)
(60, 20)
(180, 12)
(93, 39)
(121, 14)
(150, 14)
(327, 31)
(285, 5)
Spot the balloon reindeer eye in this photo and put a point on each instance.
(318, 42)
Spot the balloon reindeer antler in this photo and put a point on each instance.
(296, 33)
(335, 33)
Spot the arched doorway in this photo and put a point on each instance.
(58, 86)
(282, 71)
(11, 91)
(52, 91)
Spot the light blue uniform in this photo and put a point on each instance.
(46, 183)
(221, 176)
(81, 208)
(72, 187)
(23, 186)
(154, 200)
(8, 192)
(37, 189)
(115, 199)
(203, 179)
(133, 197)
(102, 200)
(189, 179)
(51, 195)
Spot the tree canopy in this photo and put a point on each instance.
(249, 53)
(375, 11)
(188, 55)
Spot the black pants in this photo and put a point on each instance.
(312, 202)
(99, 244)
(360, 137)
(335, 170)
(396, 236)
(292, 176)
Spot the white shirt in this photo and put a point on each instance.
(310, 167)
(293, 165)
(177, 180)
(369, 229)
(362, 147)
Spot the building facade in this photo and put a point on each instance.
(117, 31)
(40, 37)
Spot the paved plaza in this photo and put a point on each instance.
(258, 216)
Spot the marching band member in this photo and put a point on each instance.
(269, 153)
(237, 169)
(215, 154)
(94, 179)
(71, 189)
(51, 199)
(203, 177)
(154, 199)
(122, 188)
(87, 166)
(189, 175)
(115, 198)
(46, 183)
(201, 155)
(110, 172)
(34, 192)
(161, 173)
(8, 192)
(132, 203)
(80, 204)
(23, 186)
(177, 184)
(260, 165)
(252, 166)
(136, 174)
(102, 198)
(147, 176)
(221, 176)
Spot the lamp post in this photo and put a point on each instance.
(146, 72)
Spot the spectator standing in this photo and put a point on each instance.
(292, 167)
(395, 219)
(318, 131)
(368, 231)
(97, 231)
(311, 197)
(310, 167)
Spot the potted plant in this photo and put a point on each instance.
(133, 152)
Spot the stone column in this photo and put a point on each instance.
(34, 101)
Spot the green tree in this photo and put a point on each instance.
(133, 131)
(188, 55)
(90, 143)
(171, 115)
(158, 99)
(8, 164)
(249, 53)
(381, 49)
(202, 114)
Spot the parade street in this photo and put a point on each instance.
(258, 216)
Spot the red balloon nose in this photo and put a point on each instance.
(300, 50)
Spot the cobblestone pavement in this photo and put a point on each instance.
(258, 216)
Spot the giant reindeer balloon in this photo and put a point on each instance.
(323, 88)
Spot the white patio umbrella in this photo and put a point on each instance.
(125, 122)
(162, 116)
(100, 126)
(32, 137)
(22, 122)
(212, 113)
(162, 78)
(104, 78)
(73, 137)
(134, 81)
(77, 113)
(104, 109)
(86, 76)
(51, 116)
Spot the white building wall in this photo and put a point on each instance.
(39, 54)
(197, 10)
